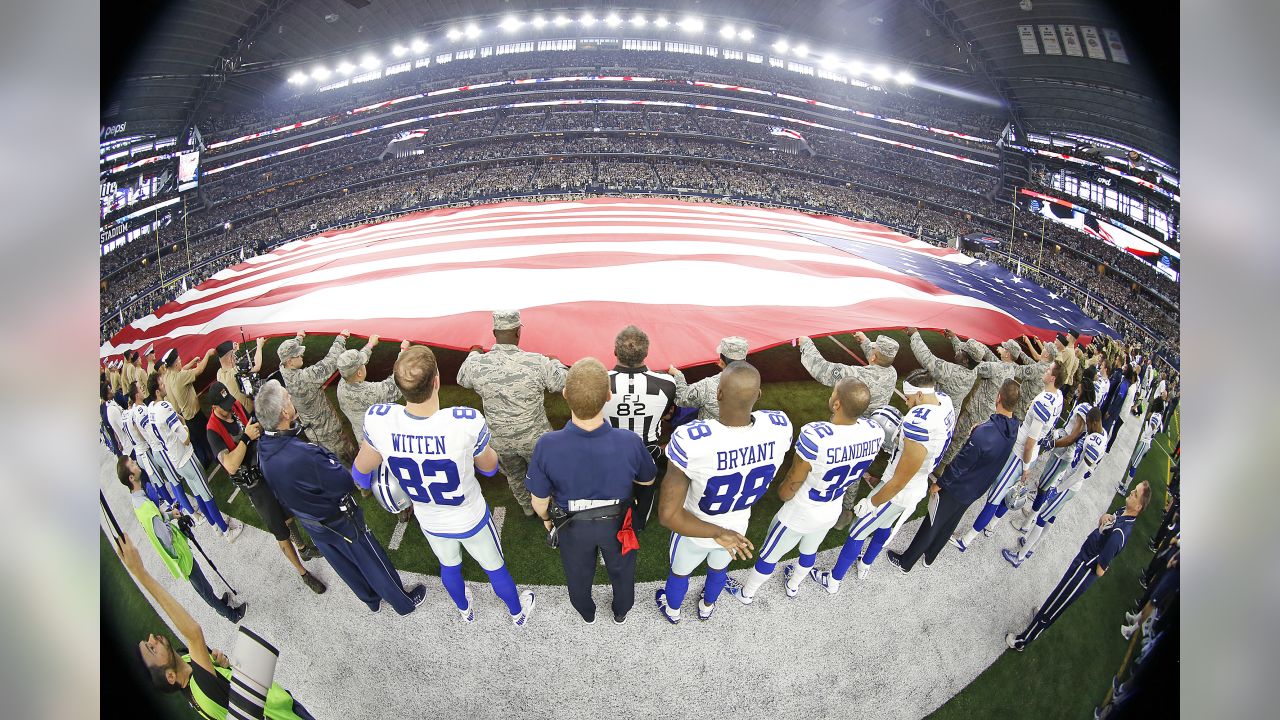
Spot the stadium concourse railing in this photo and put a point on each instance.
(675, 192)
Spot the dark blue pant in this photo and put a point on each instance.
(358, 558)
(1079, 576)
(200, 584)
(578, 542)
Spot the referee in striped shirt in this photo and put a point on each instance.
(641, 400)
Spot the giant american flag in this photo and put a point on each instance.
(687, 273)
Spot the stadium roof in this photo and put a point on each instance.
(214, 55)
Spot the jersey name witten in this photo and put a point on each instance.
(1093, 448)
(172, 431)
(640, 399)
(931, 426)
(1041, 417)
(838, 455)
(434, 460)
(729, 468)
(1152, 427)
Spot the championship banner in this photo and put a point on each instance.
(1117, 48)
(1092, 44)
(1050, 38)
(1071, 41)
(1027, 34)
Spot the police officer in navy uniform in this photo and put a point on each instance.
(1093, 560)
(591, 469)
(312, 484)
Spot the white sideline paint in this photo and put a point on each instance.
(814, 656)
(397, 535)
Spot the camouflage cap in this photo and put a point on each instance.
(350, 362)
(289, 349)
(886, 346)
(506, 319)
(1051, 351)
(975, 350)
(734, 348)
(1012, 346)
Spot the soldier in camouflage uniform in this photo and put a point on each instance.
(355, 394)
(953, 378)
(702, 394)
(512, 385)
(306, 386)
(981, 401)
(878, 375)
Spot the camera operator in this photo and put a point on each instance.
(201, 673)
(315, 487)
(233, 438)
(167, 537)
(241, 388)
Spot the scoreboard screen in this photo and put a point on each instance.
(188, 170)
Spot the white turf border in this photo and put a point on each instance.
(892, 646)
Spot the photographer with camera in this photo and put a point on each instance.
(233, 437)
(201, 673)
(237, 374)
(169, 538)
(311, 482)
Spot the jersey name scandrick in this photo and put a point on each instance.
(729, 468)
(838, 455)
(433, 458)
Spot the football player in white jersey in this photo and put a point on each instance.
(1062, 449)
(154, 482)
(1150, 428)
(144, 398)
(926, 429)
(830, 457)
(1042, 415)
(434, 453)
(182, 459)
(718, 470)
(1093, 448)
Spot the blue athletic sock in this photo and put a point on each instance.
(677, 588)
(765, 568)
(210, 508)
(848, 554)
(807, 561)
(878, 539)
(183, 501)
(451, 576)
(1001, 509)
(1040, 521)
(715, 585)
(984, 517)
(505, 588)
(163, 492)
(151, 493)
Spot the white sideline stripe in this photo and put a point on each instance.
(234, 493)
(397, 535)
(499, 516)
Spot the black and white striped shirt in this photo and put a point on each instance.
(640, 398)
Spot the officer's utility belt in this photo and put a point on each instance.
(346, 511)
(598, 509)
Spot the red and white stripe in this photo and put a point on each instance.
(687, 273)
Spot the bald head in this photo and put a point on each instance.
(739, 386)
(854, 397)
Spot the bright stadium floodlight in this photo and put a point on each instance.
(539, 22)
(639, 21)
(881, 73)
(298, 78)
(727, 32)
(801, 50)
(399, 50)
(746, 34)
(781, 46)
(472, 31)
(346, 68)
(369, 62)
(829, 62)
(613, 20)
(419, 45)
(661, 22)
(904, 78)
(454, 34)
(320, 73)
(855, 67)
(692, 25)
(587, 20)
(561, 21)
(511, 23)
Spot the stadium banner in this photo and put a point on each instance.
(1050, 38)
(1092, 44)
(1117, 48)
(1071, 41)
(1028, 36)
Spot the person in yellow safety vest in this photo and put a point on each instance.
(170, 544)
(203, 674)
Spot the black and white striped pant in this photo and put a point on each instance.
(1073, 584)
